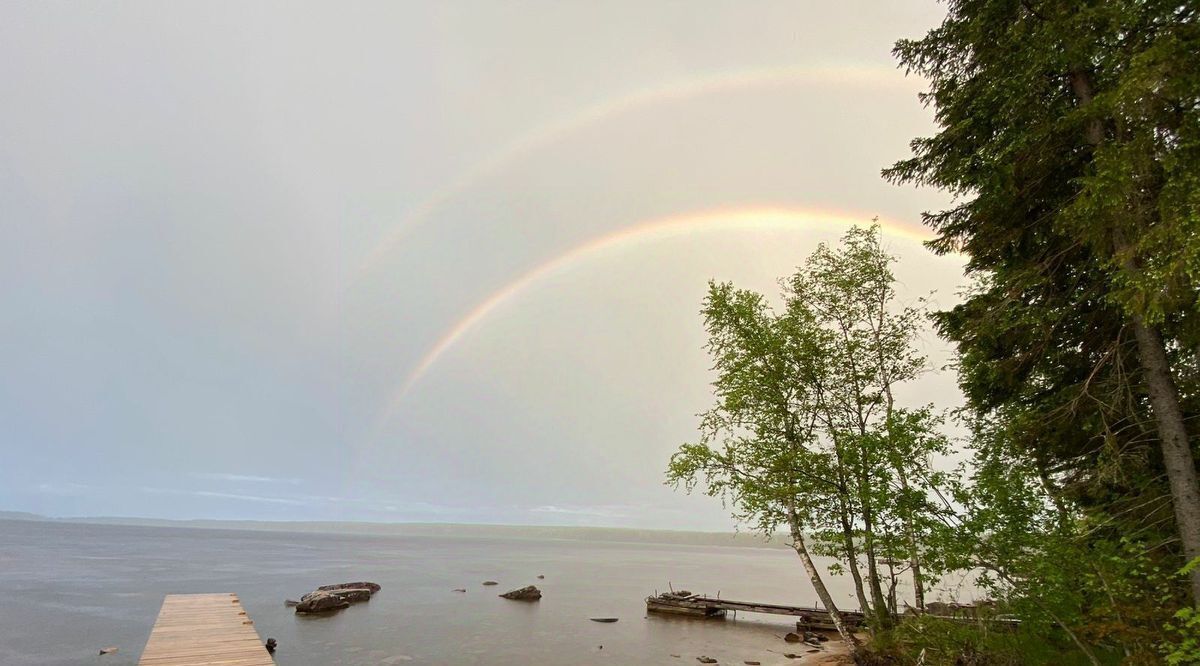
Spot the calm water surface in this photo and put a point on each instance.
(70, 589)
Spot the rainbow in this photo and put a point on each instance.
(543, 135)
(644, 232)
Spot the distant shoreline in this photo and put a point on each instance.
(477, 530)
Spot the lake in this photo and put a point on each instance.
(70, 589)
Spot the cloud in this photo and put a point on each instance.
(233, 496)
(62, 488)
(242, 478)
(604, 510)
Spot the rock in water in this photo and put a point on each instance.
(352, 595)
(706, 660)
(458, 589)
(540, 576)
(108, 650)
(361, 585)
(527, 593)
(290, 602)
(321, 602)
(490, 582)
(271, 643)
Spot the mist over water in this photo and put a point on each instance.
(74, 588)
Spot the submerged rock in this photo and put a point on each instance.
(321, 602)
(706, 660)
(527, 593)
(490, 582)
(290, 602)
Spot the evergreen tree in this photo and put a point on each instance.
(1070, 134)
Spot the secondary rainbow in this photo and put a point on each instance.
(651, 230)
(879, 78)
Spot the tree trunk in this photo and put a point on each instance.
(1173, 439)
(819, 585)
(848, 540)
(914, 556)
(879, 613)
(852, 561)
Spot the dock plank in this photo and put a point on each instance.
(204, 630)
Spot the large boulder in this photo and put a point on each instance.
(527, 593)
(354, 594)
(361, 585)
(321, 602)
(351, 594)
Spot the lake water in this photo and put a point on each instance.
(70, 589)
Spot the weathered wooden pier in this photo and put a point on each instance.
(808, 617)
(204, 630)
(697, 605)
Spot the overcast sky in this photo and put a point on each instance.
(422, 261)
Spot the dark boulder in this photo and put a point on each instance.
(361, 585)
(527, 593)
(333, 597)
(352, 594)
(321, 602)
(490, 582)
(792, 637)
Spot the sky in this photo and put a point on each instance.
(424, 261)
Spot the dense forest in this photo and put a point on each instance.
(1069, 135)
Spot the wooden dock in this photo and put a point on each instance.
(684, 603)
(204, 630)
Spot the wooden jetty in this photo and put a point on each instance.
(696, 605)
(204, 630)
